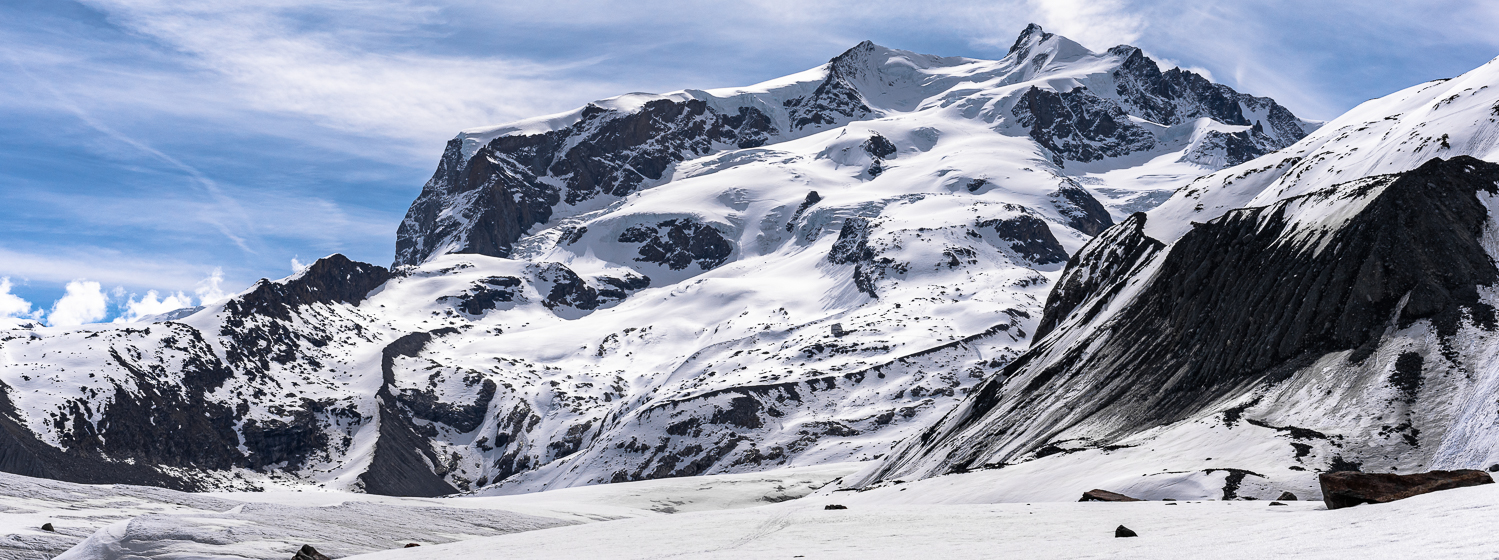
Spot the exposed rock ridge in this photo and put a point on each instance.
(482, 205)
(1248, 298)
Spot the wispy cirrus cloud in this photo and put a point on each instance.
(347, 64)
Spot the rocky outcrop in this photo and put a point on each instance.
(486, 294)
(1179, 96)
(678, 243)
(307, 552)
(852, 247)
(836, 100)
(1083, 212)
(404, 462)
(1348, 489)
(1029, 237)
(331, 279)
(1077, 125)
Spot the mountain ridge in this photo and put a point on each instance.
(804, 271)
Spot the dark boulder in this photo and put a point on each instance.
(1348, 489)
(409, 545)
(1096, 495)
(309, 553)
(47, 527)
(834, 506)
(1287, 497)
(1122, 532)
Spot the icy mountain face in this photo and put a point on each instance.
(494, 185)
(1339, 319)
(802, 271)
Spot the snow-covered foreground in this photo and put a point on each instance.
(777, 514)
(120, 521)
(1449, 524)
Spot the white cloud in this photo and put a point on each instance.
(1097, 24)
(353, 75)
(12, 305)
(84, 302)
(210, 290)
(62, 264)
(297, 266)
(152, 304)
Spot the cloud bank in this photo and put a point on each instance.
(84, 302)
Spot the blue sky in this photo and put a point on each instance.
(192, 146)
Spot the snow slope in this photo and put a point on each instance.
(99, 522)
(878, 524)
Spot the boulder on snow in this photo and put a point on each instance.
(1096, 495)
(834, 506)
(47, 527)
(309, 553)
(410, 544)
(1276, 504)
(1123, 531)
(1348, 489)
(1287, 497)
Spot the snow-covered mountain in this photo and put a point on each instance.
(803, 271)
(1329, 306)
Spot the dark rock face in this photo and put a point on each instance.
(879, 147)
(1232, 148)
(332, 279)
(675, 244)
(1177, 96)
(812, 198)
(501, 193)
(1220, 314)
(1030, 237)
(1031, 35)
(1080, 126)
(835, 100)
(1097, 495)
(403, 460)
(1097, 270)
(1348, 489)
(1084, 213)
(852, 247)
(256, 321)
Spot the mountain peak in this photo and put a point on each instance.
(860, 54)
(1032, 35)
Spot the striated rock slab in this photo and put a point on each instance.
(1096, 495)
(1348, 489)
